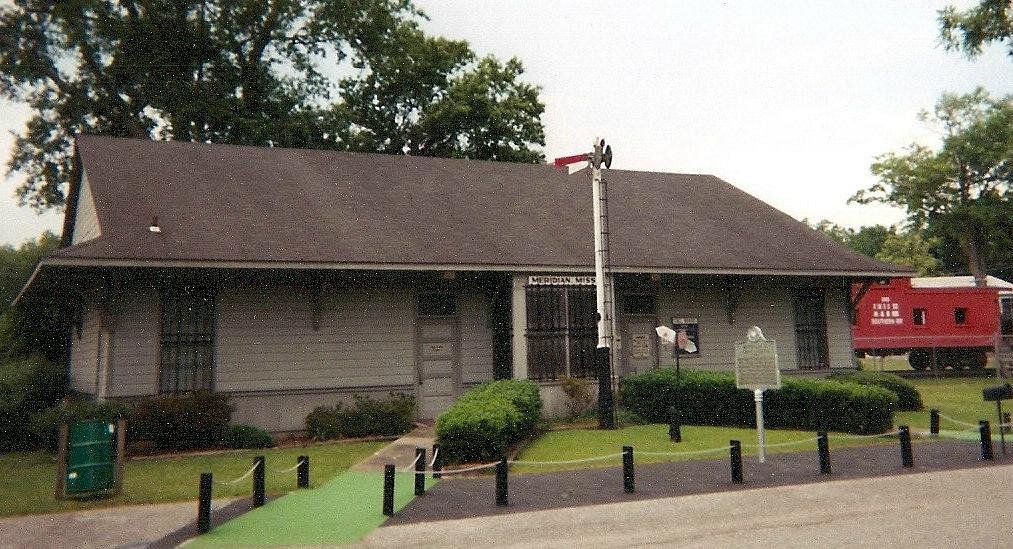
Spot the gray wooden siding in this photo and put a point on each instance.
(265, 339)
(86, 224)
(84, 353)
(476, 338)
(135, 335)
(839, 339)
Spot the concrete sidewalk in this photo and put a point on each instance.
(401, 452)
(124, 526)
(954, 508)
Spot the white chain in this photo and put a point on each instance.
(568, 461)
(242, 478)
(290, 469)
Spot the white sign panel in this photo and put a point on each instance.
(560, 280)
(756, 365)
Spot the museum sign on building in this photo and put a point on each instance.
(291, 279)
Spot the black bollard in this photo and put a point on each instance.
(735, 453)
(420, 471)
(204, 504)
(501, 483)
(985, 430)
(388, 489)
(302, 473)
(628, 481)
(823, 443)
(674, 424)
(934, 421)
(906, 457)
(437, 461)
(258, 482)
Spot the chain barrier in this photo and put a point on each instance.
(783, 444)
(567, 461)
(958, 422)
(410, 468)
(289, 470)
(242, 478)
(436, 452)
(686, 453)
(464, 470)
(879, 435)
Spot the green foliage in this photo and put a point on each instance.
(27, 387)
(711, 398)
(578, 393)
(42, 330)
(256, 73)
(187, 422)
(486, 420)
(911, 249)
(392, 417)
(46, 425)
(960, 194)
(908, 398)
(972, 29)
(247, 436)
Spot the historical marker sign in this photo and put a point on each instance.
(756, 365)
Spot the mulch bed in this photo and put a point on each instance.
(456, 498)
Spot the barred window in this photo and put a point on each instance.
(187, 341)
(562, 331)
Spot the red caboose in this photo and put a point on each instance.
(939, 321)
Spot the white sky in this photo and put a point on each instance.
(789, 101)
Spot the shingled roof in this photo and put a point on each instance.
(225, 205)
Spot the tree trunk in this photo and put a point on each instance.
(974, 263)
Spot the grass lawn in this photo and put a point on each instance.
(28, 477)
(959, 398)
(581, 443)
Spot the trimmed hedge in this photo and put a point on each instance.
(193, 421)
(368, 417)
(711, 398)
(247, 436)
(486, 420)
(908, 397)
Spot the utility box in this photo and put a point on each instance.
(90, 460)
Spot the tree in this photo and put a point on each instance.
(866, 241)
(251, 72)
(970, 30)
(961, 193)
(21, 334)
(910, 249)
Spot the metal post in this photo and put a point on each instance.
(906, 457)
(259, 497)
(674, 424)
(628, 480)
(420, 471)
(1003, 419)
(303, 472)
(934, 422)
(761, 434)
(735, 455)
(606, 412)
(985, 432)
(502, 489)
(204, 504)
(437, 461)
(388, 489)
(823, 443)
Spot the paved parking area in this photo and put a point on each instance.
(951, 508)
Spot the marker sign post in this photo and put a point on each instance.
(756, 368)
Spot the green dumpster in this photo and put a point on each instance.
(90, 458)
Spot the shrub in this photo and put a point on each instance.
(711, 398)
(247, 436)
(27, 387)
(486, 420)
(367, 417)
(578, 394)
(46, 425)
(908, 397)
(187, 422)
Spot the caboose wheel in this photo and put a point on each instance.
(919, 359)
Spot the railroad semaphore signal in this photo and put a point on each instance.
(601, 154)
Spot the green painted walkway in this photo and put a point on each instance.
(344, 510)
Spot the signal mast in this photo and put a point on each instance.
(601, 154)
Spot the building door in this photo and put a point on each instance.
(639, 343)
(811, 330)
(437, 362)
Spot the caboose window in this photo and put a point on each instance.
(960, 315)
(918, 317)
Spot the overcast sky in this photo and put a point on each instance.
(789, 101)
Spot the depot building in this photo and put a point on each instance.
(291, 279)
